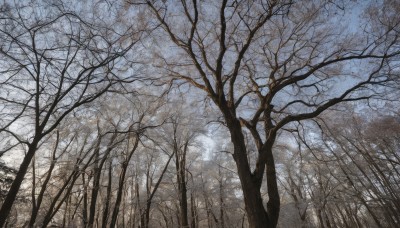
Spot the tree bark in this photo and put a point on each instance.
(37, 204)
(194, 222)
(13, 191)
(251, 184)
(181, 178)
(254, 207)
(122, 182)
(108, 196)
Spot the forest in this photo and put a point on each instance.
(200, 113)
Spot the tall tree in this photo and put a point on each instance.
(54, 61)
(179, 134)
(269, 64)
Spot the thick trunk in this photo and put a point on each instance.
(273, 205)
(256, 213)
(13, 191)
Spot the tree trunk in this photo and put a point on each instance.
(13, 191)
(221, 200)
(108, 196)
(96, 186)
(36, 206)
(180, 172)
(183, 198)
(119, 195)
(121, 183)
(194, 221)
(85, 201)
(256, 213)
(54, 207)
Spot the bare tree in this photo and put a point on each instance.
(364, 154)
(345, 171)
(179, 134)
(106, 140)
(267, 65)
(53, 62)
